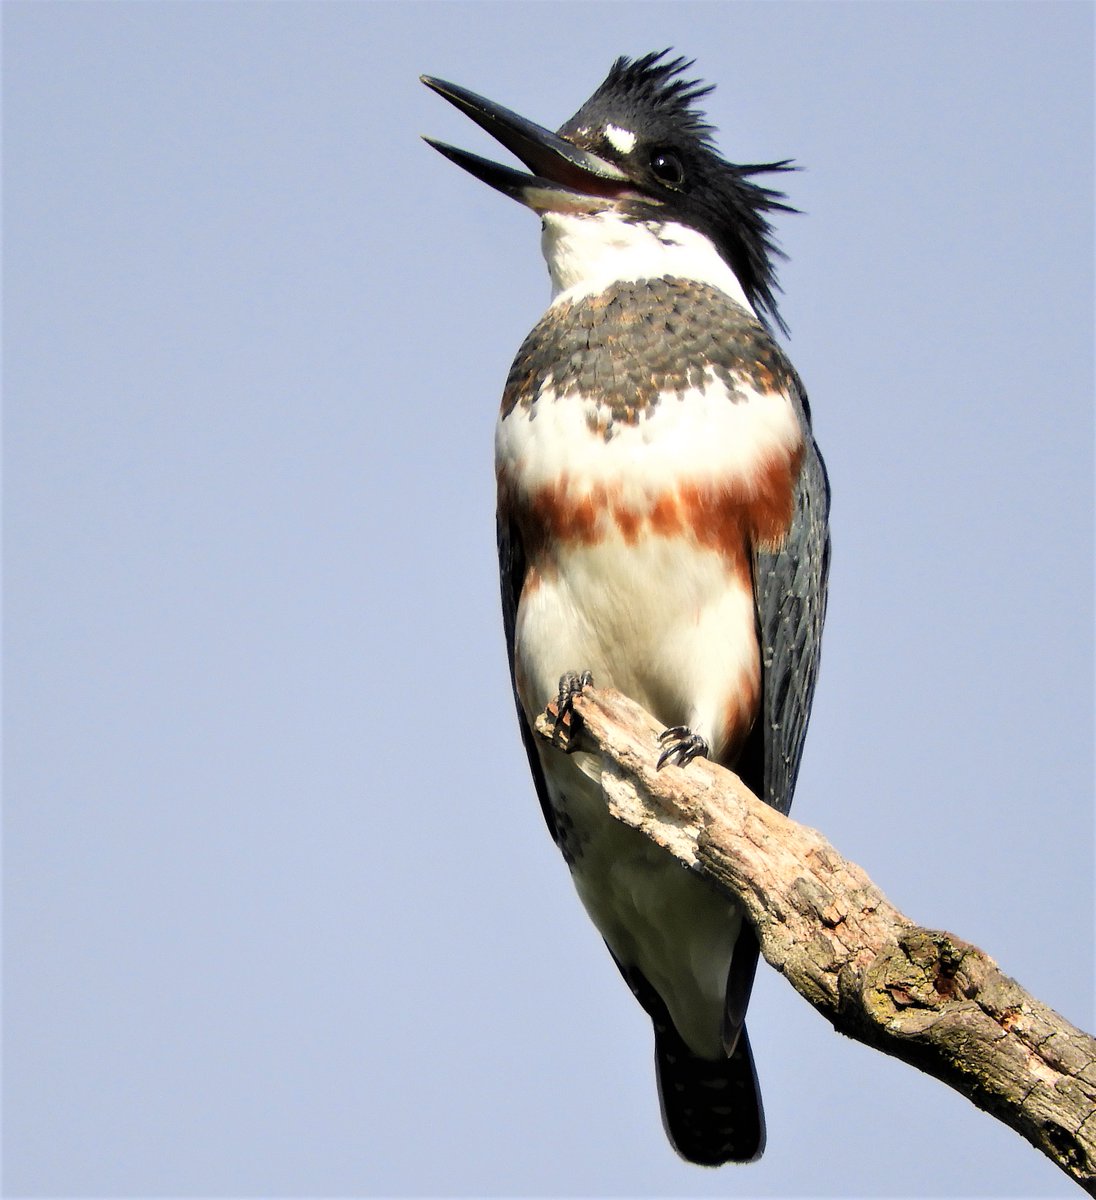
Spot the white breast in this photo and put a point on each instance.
(702, 433)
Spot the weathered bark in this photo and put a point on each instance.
(924, 996)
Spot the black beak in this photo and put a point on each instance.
(565, 178)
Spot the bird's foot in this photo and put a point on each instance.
(681, 746)
(562, 711)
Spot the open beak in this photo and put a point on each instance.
(564, 179)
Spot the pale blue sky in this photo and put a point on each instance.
(280, 914)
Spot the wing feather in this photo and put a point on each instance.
(790, 597)
(512, 567)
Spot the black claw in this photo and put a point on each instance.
(570, 686)
(682, 746)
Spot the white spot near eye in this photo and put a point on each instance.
(622, 140)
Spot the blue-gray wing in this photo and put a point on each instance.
(790, 595)
(511, 581)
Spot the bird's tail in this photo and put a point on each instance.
(711, 1109)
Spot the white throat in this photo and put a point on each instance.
(588, 252)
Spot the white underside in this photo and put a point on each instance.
(660, 622)
(653, 913)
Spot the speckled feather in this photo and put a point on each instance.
(639, 339)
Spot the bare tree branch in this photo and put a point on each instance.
(924, 996)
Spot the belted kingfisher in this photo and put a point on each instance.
(662, 528)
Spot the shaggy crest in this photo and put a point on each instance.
(650, 80)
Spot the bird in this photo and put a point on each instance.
(663, 529)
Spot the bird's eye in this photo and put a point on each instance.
(667, 168)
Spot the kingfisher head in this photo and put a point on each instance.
(632, 184)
